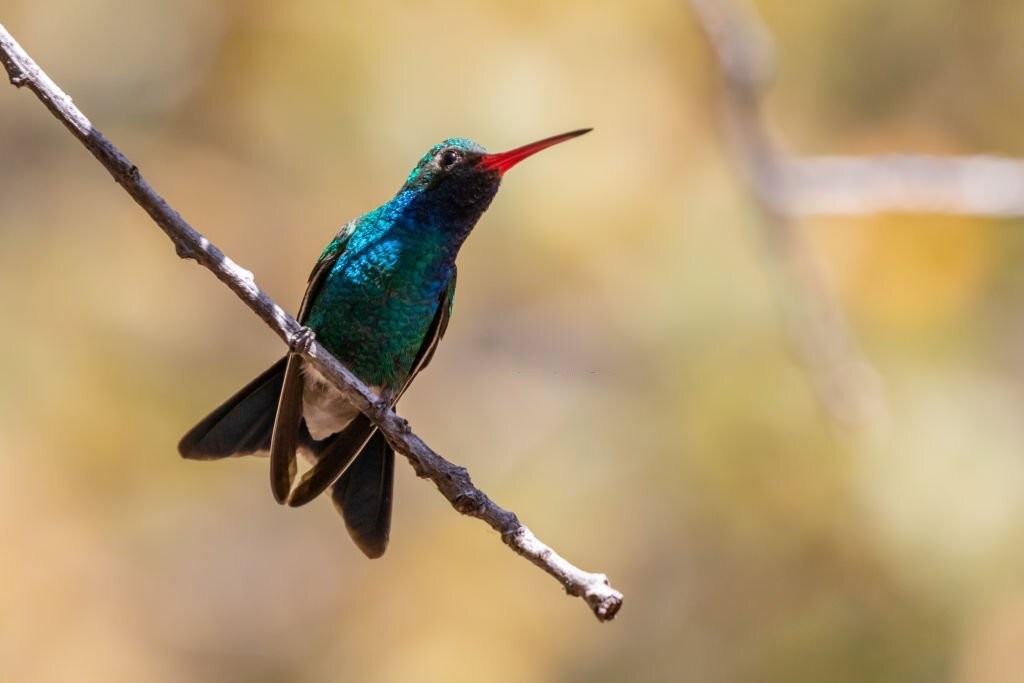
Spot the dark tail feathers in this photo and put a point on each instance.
(243, 425)
(363, 496)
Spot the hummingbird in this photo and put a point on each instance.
(379, 299)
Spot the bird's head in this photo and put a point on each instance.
(459, 176)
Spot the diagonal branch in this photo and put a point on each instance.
(846, 383)
(451, 480)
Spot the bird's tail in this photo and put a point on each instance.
(244, 424)
(363, 496)
(362, 493)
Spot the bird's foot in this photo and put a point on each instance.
(381, 408)
(302, 341)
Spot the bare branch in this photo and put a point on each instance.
(451, 480)
(846, 383)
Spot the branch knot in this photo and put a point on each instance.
(471, 503)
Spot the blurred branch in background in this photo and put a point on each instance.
(786, 187)
(453, 481)
(974, 185)
(844, 379)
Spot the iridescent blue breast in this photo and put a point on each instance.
(376, 305)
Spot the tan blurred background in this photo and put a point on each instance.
(616, 370)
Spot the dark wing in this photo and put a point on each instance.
(285, 437)
(323, 267)
(436, 332)
(334, 460)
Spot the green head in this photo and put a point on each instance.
(459, 178)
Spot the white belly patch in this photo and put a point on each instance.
(325, 409)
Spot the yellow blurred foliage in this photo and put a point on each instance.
(908, 271)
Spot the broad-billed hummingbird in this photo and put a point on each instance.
(379, 299)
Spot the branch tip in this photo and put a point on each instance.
(606, 608)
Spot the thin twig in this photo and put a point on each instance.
(846, 383)
(453, 481)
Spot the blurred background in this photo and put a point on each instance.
(617, 370)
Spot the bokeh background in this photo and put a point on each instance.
(616, 371)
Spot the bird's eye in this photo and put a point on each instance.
(449, 158)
